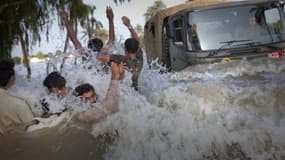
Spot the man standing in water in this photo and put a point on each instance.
(57, 90)
(110, 103)
(14, 111)
(133, 54)
(95, 44)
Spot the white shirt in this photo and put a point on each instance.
(13, 111)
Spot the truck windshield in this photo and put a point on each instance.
(209, 29)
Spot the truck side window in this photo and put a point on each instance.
(273, 21)
(178, 31)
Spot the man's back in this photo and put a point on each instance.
(13, 111)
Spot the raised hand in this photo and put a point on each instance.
(118, 70)
(122, 67)
(126, 21)
(109, 13)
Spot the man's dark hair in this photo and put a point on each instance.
(132, 45)
(95, 44)
(6, 71)
(54, 80)
(83, 88)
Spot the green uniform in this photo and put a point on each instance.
(135, 65)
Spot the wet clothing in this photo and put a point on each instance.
(102, 110)
(135, 65)
(14, 111)
(52, 104)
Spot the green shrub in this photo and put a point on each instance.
(17, 60)
(41, 55)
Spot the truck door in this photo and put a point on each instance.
(177, 46)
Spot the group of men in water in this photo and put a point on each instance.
(15, 111)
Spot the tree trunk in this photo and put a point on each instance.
(64, 51)
(25, 56)
(65, 44)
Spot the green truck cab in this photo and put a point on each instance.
(203, 31)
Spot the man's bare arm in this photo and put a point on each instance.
(70, 31)
(110, 103)
(127, 23)
(110, 16)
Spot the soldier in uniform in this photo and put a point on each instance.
(133, 54)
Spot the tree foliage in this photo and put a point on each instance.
(121, 1)
(151, 11)
(16, 60)
(41, 55)
(94, 28)
(139, 28)
(140, 32)
(24, 20)
(19, 18)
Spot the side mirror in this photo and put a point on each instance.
(169, 31)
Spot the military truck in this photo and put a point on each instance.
(202, 31)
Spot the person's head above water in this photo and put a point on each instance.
(7, 74)
(55, 83)
(95, 44)
(86, 92)
(131, 46)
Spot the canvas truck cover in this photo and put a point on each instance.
(153, 28)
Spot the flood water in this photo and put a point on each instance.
(216, 111)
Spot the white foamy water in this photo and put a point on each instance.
(210, 111)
